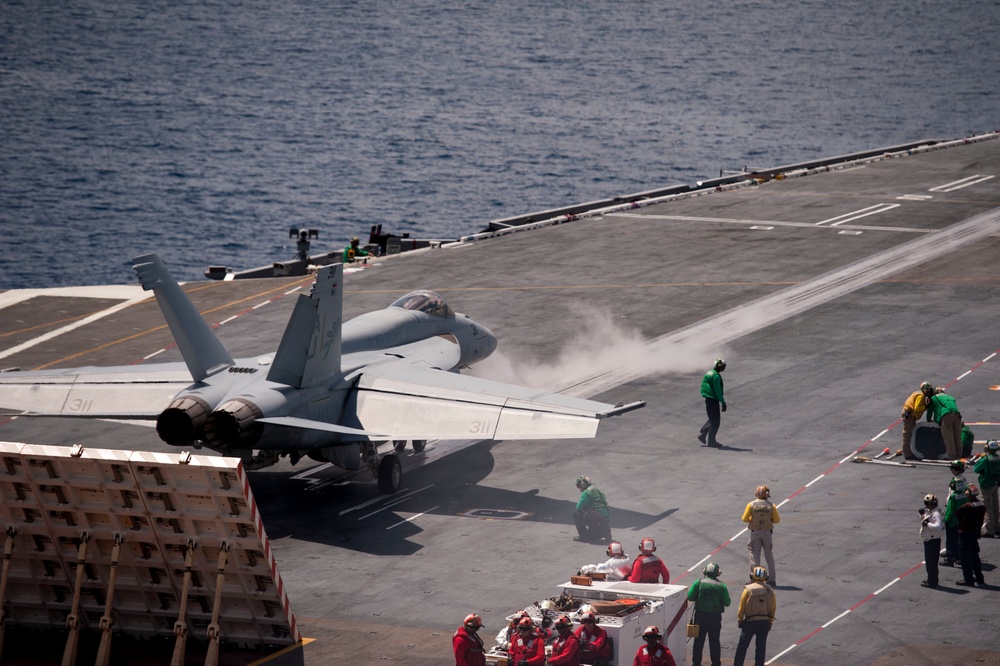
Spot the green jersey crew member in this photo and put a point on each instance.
(711, 391)
(710, 596)
(942, 409)
(354, 250)
(592, 515)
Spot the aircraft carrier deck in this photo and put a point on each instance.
(832, 296)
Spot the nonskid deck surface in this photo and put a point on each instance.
(827, 318)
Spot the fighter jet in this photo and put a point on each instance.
(332, 390)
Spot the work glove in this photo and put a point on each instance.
(740, 624)
(723, 406)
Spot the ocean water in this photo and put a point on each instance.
(205, 129)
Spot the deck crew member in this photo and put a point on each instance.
(711, 391)
(594, 645)
(647, 567)
(970, 521)
(913, 409)
(654, 652)
(527, 647)
(988, 469)
(467, 644)
(956, 498)
(592, 515)
(618, 567)
(566, 647)
(353, 251)
(943, 410)
(761, 515)
(710, 596)
(931, 526)
(755, 616)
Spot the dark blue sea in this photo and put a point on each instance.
(205, 129)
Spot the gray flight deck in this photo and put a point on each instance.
(832, 296)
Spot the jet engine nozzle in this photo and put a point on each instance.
(233, 425)
(183, 421)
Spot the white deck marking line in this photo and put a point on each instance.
(959, 184)
(988, 357)
(698, 563)
(915, 197)
(260, 305)
(967, 372)
(156, 353)
(783, 503)
(72, 327)
(835, 619)
(412, 518)
(780, 654)
(399, 499)
(309, 472)
(292, 291)
(858, 214)
(226, 321)
(738, 535)
(812, 482)
(800, 225)
(888, 585)
(880, 434)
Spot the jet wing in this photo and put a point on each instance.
(416, 402)
(132, 391)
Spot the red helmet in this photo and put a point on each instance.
(587, 618)
(525, 623)
(647, 546)
(563, 622)
(473, 621)
(615, 549)
(651, 631)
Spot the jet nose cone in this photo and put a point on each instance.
(486, 342)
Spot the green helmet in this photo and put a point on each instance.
(583, 482)
(712, 570)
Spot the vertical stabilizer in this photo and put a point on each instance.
(202, 351)
(309, 352)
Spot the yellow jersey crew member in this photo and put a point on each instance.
(761, 515)
(913, 409)
(353, 251)
(755, 617)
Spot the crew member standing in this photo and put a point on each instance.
(755, 616)
(353, 251)
(710, 596)
(467, 644)
(592, 515)
(988, 469)
(956, 498)
(913, 409)
(654, 652)
(931, 526)
(943, 410)
(648, 568)
(711, 390)
(761, 515)
(970, 521)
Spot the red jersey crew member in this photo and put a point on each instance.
(467, 644)
(594, 646)
(648, 568)
(654, 652)
(711, 391)
(566, 648)
(760, 516)
(527, 648)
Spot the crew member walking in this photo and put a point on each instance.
(988, 469)
(931, 526)
(755, 616)
(761, 516)
(710, 597)
(711, 390)
(913, 409)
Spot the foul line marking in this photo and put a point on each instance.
(959, 184)
(858, 214)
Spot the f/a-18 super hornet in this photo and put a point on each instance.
(332, 390)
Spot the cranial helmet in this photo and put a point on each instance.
(647, 546)
(563, 622)
(957, 466)
(712, 569)
(525, 623)
(720, 364)
(930, 500)
(993, 446)
(583, 482)
(615, 549)
(762, 492)
(472, 622)
(651, 632)
(758, 573)
(927, 388)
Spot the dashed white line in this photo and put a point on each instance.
(858, 214)
(836, 618)
(780, 654)
(959, 184)
(964, 374)
(226, 321)
(411, 518)
(159, 351)
(880, 434)
(260, 305)
(887, 585)
(813, 481)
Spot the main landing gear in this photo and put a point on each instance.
(400, 445)
(386, 469)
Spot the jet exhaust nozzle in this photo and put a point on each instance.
(183, 421)
(233, 425)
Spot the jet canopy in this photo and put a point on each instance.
(424, 301)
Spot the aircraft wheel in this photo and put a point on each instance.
(399, 445)
(390, 474)
(418, 445)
